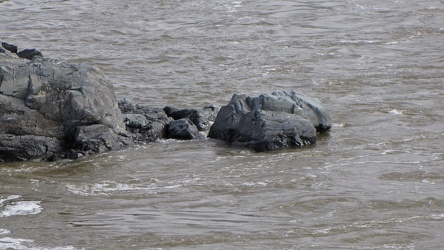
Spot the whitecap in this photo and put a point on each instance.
(172, 186)
(25, 244)
(340, 125)
(437, 216)
(395, 112)
(255, 184)
(4, 231)
(13, 243)
(104, 188)
(21, 208)
(11, 197)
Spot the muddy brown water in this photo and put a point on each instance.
(375, 181)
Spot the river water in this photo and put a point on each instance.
(375, 181)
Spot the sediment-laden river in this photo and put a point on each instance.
(375, 181)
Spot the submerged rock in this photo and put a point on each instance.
(282, 119)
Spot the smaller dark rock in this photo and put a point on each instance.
(97, 138)
(143, 122)
(29, 54)
(183, 129)
(12, 48)
(201, 118)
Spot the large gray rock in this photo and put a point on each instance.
(268, 122)
(48, 107)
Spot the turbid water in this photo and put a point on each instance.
(375, 181)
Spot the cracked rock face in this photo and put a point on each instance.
(267, 122)
(44, 103)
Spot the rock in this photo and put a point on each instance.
(183, 129)
(96, 138)
(6, 54)
(201, 118)
(26, 53)
(282, 119)
(49, 107)
(29, 54)
(10, 47)
(26, 147)
(146, 124)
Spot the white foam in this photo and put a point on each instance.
(341, 125)
(12, 243)
(255, 184)
(4, 231)
(437, 216)
(103, 188)
(11, 197)
(395, 112)
(25, 244)
(21, 208)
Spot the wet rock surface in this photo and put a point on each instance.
(48, 106)
(268, 122)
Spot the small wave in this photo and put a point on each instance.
(254, 184)
(25, 244)
(11, 197)
(103, 188)
(13, 243)
(18, 207)
(4, 231)
(340, 125)
(395, 112)
(21, 208)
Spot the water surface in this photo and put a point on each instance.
(374, 182)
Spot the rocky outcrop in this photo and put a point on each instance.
(282, 119)
(53, 109)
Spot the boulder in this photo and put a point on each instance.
(29, 54)
(49, 107)
(183, 129)
(10, 47)
(267, 122)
